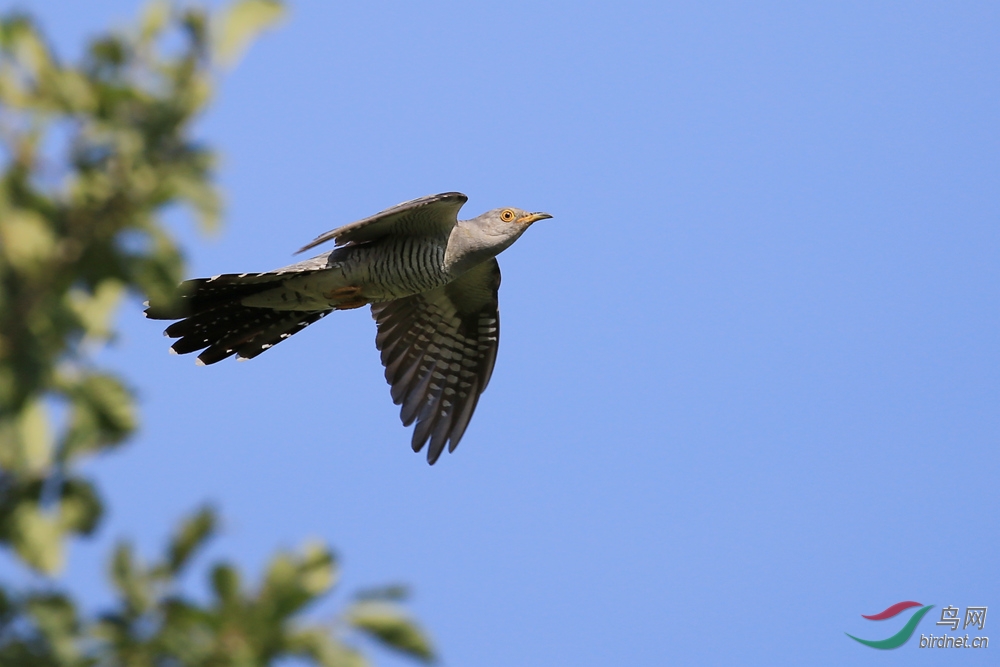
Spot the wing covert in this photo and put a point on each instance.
(418, 217)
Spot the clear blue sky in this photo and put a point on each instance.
(748, 381)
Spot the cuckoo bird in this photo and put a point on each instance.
(431, 281)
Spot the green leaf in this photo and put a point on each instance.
(13, 91)
(74, 91)
(391, 627)
(226, 583)
(157, 272)
(317, 644)
(102, 414)
(153, 20)
(202, 196)
(281, 591)
(33, 453)
(195, 24)
(35, 530)
(96, 309)
(108, 52)
(293, 582)
(128, 579)
(80, 508)
(318, 570)
(391, 593)
(240, 23)
(26, 241)
(193, 533)
(37, 537)
(56, 618)
(28, 49)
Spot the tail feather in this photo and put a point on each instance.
(202, 294)
(259, 336)
(212, 317)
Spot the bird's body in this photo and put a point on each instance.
(430, 279)
(372, 273)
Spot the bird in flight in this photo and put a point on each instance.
(431, 281)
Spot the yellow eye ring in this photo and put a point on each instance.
(507, 215)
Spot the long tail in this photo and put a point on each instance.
(213, 319)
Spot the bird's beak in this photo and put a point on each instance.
(532, 217)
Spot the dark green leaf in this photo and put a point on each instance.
(226, 583)
(193, 533)
(80, 508)
(391, 593)
(128, 579)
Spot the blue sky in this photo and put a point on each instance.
(748, 379)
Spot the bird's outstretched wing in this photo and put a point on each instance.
(438, 349)
(426, 216)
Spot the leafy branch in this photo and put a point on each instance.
(93, 154)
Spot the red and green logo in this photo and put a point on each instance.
(903, 635)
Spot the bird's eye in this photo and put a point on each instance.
(506, 215)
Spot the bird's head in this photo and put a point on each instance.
(487, 235)
(506, 223)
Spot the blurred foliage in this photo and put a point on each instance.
(154, 624)
(92, 156)
(93, 153)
